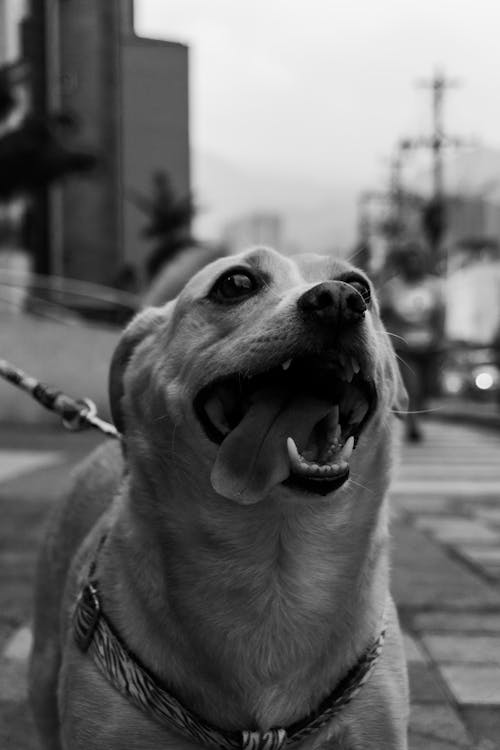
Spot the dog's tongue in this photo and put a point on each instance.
(253, 458)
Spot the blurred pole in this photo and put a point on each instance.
(396, 193)
(35, 53)
(434, 216)
(438, 84)
(53, 88)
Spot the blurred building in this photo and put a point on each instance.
(259, 228)
(473, 301)
(128, 98)
(473, 270)
(11, 14)
(14, 265)
(471, 240)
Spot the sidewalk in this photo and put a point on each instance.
(466, 411)
(25, 498)
(446, 577)
(446, 581)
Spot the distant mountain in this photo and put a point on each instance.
(316, 217)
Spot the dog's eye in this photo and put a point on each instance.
(233, 286)
(362, 287)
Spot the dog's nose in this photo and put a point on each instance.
(333, 302)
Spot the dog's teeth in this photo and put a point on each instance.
(305, 468)
(286, 365)
(215, 412)
(296, 459)
(355, 365)
(346, 451)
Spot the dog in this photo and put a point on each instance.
(236, 539)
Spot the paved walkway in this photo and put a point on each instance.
(446, 577)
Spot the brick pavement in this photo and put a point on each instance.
(446, 578)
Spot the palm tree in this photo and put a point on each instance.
(169, 224)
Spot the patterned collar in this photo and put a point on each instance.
(94, 634)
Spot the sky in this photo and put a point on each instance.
(323, 89)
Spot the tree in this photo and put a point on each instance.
(39, 151)
(169, 224)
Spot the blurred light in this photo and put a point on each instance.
(484, 381)
(452, 383)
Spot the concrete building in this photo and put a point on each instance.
(14, 262)
(129, 98)
(11, 14)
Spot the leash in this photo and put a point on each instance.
(76, 414)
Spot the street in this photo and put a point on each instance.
(446, 576)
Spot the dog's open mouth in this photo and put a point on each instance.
(296, 424)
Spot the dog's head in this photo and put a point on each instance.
(266, 372)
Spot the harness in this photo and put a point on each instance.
(94, 634)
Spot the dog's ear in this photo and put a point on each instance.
(140, 327)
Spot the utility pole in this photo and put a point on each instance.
(434, 214)
(396, 189)
(438, 85)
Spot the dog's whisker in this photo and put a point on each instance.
(384, 283)
(405, 363)
(359, 484)
(381, 334)
(418, 411)
(397, 336)
(161, 417)
(270, 289)
(354, 255)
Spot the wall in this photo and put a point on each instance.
(89, 59)
(155, 127)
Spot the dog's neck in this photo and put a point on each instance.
(252, 614)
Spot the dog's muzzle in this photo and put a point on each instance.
(296, 424)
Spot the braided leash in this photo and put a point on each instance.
(75, 414)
